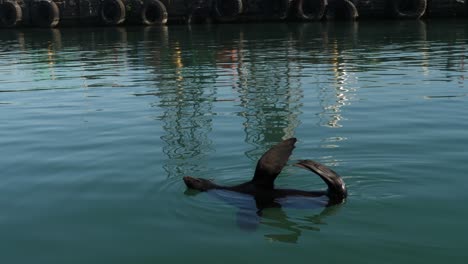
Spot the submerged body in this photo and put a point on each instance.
(262, 188)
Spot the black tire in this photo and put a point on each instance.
(227, 10)
(112, 12)
(45, 13)
(153, 13)
(10, 14)
(342, 10)
(408, 9)
(310, 10)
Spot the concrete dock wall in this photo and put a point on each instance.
(53, 13)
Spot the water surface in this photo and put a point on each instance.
(99, 125)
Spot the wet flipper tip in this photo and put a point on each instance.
(336, 186)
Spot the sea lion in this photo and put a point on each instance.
(262, 188)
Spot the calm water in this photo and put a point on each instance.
(98, 127)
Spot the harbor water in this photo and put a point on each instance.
(99, 125)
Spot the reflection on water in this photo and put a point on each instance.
(261, 72)
(191, 69)
(332, 99)
(186, 105)
(252, 211)
(293, 228)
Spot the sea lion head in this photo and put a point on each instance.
(199, 184)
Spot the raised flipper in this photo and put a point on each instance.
(271, 163)
(336, 187)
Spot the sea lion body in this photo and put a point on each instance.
(248, 188)
(262, 188)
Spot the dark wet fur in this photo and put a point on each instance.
(262, 188)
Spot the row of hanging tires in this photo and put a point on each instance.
(51, 13)
(313, 10)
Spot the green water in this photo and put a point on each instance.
(98, 127)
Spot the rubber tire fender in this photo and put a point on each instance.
(350, 10)
(306, 14)
(45, 13)
(112, 12)
(234, 8)
(10, 13)
(419, 8)
(154, 12)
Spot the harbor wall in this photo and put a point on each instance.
(53, 13)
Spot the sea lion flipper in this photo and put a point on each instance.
(272, 162)
(336, 186)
